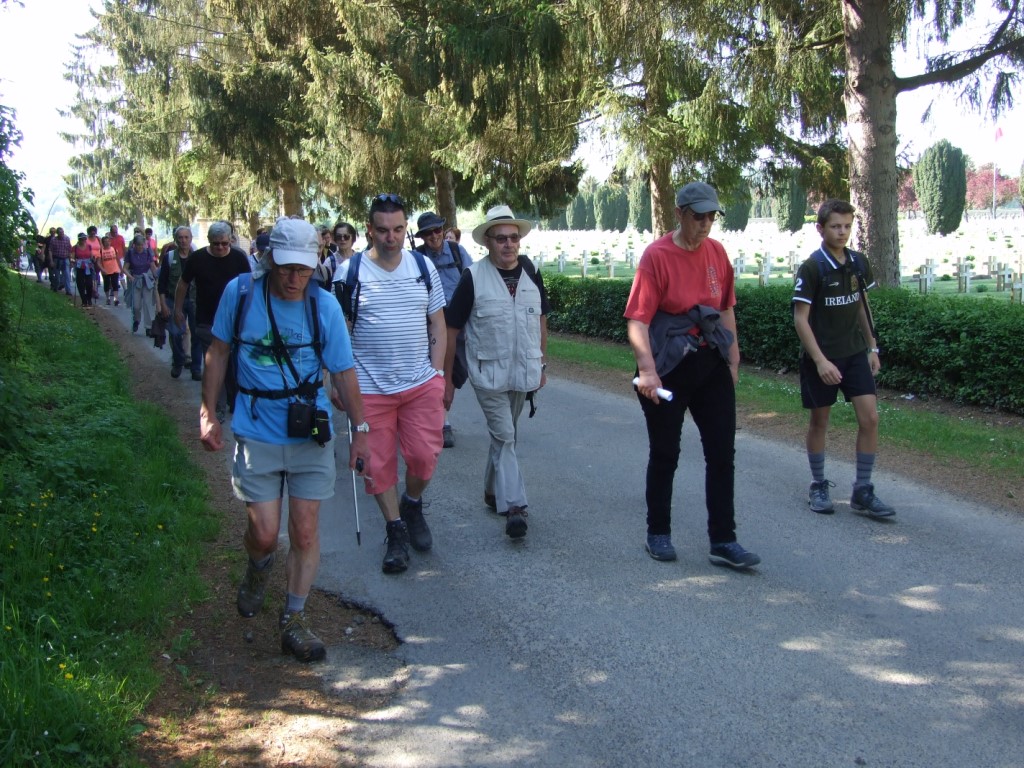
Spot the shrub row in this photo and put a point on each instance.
(962, 349)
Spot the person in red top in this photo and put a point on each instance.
(85, 267)
(117, 242)
(94, 243)
(110, 268)
(682, 329)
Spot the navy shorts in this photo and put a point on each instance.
(857, 380)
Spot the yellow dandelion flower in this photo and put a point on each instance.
(8, 627)
(62, 665)
(45, 579)
(94, 529)
(160, 526)
(49, 594)
(68, 676)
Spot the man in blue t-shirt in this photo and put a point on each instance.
(283, 333)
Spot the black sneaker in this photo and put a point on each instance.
(864, 500)
(253, 588)
(447, 436)
(733, 555)
(175, 371)
(818, 499)
(135, 327)
(659, 546)
(515, 526)
(298, 639)
(396, 555)
(490, 501)
(412, 515)
(197, 375)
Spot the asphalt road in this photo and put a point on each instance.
(855, 642)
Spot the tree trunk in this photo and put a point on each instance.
(663, 201)
(291, 198)
(444, 194)
(870, 100)
(252, 219)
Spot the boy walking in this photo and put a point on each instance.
(839, 353)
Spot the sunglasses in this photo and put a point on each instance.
(432, 232)
(343, 237)
(390, 197)
(709, 216)
(220, 243)
(502, 239)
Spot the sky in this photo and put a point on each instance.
(38, 40)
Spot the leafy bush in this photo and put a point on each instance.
(964, 350)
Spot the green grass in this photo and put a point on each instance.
(991, 449)
(101, 524)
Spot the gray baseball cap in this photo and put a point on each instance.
(699, 198)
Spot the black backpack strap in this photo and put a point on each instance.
(350, 289)
(456, 252)
(421, 262)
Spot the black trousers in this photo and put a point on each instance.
(702, 384)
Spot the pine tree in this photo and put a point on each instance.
(789, 204)
(640, 205)
(940, 180)
(737, 210)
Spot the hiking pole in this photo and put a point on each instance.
(355, 501)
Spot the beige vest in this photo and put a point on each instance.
(503, 334)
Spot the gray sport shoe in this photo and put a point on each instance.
(253, 588)
(659, 546)
(864, 500)
(447, 436)
(733, 555)
(298, 639)
(818, 499)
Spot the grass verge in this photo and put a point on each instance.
(943, 436)
(101, 521)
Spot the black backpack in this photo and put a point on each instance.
(350, 288)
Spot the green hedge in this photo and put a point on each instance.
(967, 350)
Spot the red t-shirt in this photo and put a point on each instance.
(117, 241)
(674, 280)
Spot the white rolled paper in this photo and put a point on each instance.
(664, 394)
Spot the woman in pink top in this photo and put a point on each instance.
(110, 268)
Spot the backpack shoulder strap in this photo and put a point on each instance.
(244, 300)
(456, 252)
(350, 289)
(421, 262)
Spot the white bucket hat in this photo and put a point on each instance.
(500, 214)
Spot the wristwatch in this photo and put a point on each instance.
(876, 350)
(364, 427)
(439, 372)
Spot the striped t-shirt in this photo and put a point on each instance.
(389, 340)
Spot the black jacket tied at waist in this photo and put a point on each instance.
(672, 338)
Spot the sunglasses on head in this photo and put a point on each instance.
(390, 197)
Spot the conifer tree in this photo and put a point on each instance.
(940, 181)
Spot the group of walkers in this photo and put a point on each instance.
(397, 331)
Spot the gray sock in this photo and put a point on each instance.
(865, 463)
(294, 604)
(817, 462)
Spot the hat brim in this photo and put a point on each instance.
(523, 225)
(703, 206)
(299, 258)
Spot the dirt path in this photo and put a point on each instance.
(230, 698)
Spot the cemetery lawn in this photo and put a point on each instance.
(969, 452)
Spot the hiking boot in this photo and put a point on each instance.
(135, 327)
(298, 639)
(659, 546)
(515, 526)
(733, 555)
(447, 438)
(818, 499)
(412, 515)
(864, 500)
(490, 501)
(175, 371)
(253, 588)
(197, 376)
(396, 554)
(117, 302)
